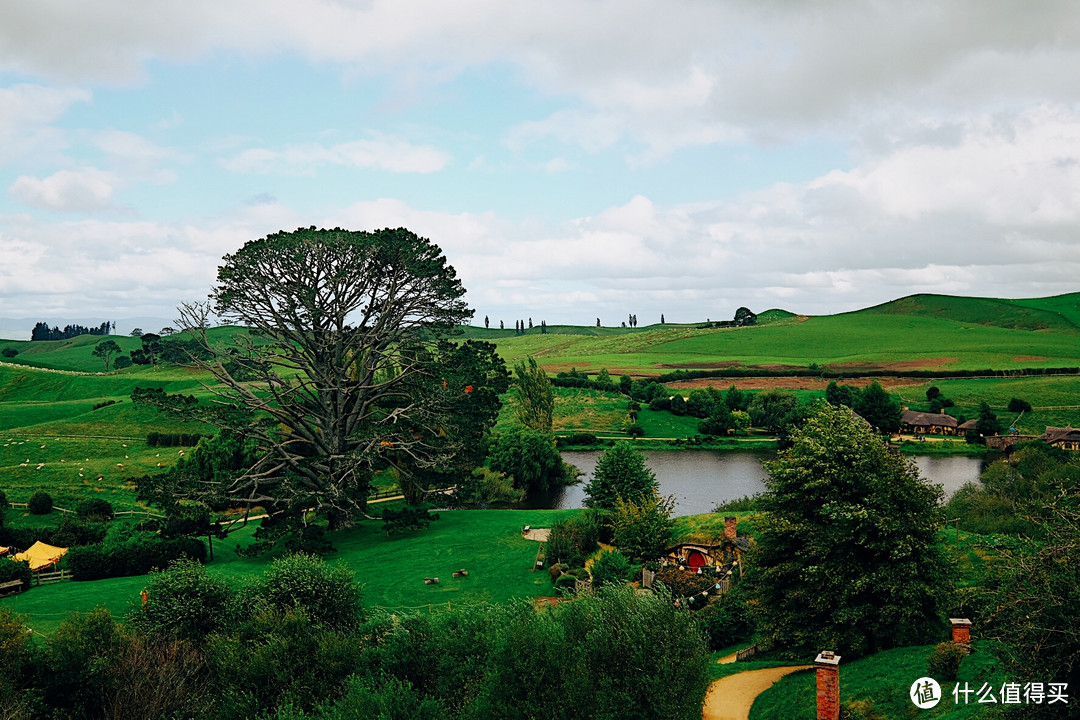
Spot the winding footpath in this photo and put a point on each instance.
(730, 698)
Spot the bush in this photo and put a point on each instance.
(185, 602)
(684, 583)
(576, 439)
(328, 594)
(41, 503)
(94, 508)
(136, 554)
(9, 352)
(945, 661)
(610, 568)
(1018, 405)
(726, 621)
(635, 430)
(573, 540)
(122, 361)
(12, 570)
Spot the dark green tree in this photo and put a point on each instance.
(987, 424)
(743, 316)
(342, 341)
(620, 472)
(736, 399)
(700, 404)
(530, 457)
(879, 408)
(1017, 405)
(771, 408)
(836, 394)
(847, 553)
(105, 350)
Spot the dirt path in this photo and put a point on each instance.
(730, 698)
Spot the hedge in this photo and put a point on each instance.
(95, 562)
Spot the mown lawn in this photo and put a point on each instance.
(486, 543)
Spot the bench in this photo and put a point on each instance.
(10, 587)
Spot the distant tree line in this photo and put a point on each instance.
(682, 375)
(42, 331)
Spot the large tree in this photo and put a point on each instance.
(340, 372)
(847, 557)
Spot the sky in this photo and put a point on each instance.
(573, 160)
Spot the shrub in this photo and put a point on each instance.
(635, 430)
(945, 661)
(9, 352)
(610, 568)
(573, 540)
(683, 583)
(122, 361)
(328, 594)
(94, 508)
(566, 582)
(642, 528)
(184, 601)
(41, 503)
(136, 554)
(726, 621)
(1018, 405)
(12, 570)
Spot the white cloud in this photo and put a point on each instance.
(384, 153)
(26, 114)
(83, 190)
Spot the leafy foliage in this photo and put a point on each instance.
(847, 555)
(327, 594)
(41, 503)
(534, 396)
(571, 541)
(610, 567)
(642, 528)
(620, 472)
(1035, 600)
(879, 408)
(406, 518)
(185, 602)
(530, 457)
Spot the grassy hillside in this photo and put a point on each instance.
(1038, 314)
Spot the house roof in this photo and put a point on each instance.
(968, 425)
(1057, 434)
(910, 417)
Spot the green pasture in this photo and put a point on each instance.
(488, 544)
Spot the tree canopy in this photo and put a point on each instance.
(846, 556)
(620, 472)
(341, 372)
(534, 395)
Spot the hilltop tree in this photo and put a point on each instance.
(847, 544)
(661, 318)
(487, 322)
(346, 377)
(743, 316)
(534, 394)
(105, 350)
(620, 472)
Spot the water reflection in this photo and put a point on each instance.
(701, 479)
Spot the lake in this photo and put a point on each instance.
(701, 479)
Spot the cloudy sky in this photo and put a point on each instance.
(573, 159)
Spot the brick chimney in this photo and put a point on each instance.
(828, 685)
(729, 527)
(961, 631)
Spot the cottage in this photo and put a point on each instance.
(928, 423)
(1066, 438)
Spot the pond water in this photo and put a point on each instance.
(701, 479)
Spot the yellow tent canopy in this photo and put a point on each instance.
(41, 555)
(3, 550)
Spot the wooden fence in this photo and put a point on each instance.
(144, 513)
(45, 578)
(746, 654)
